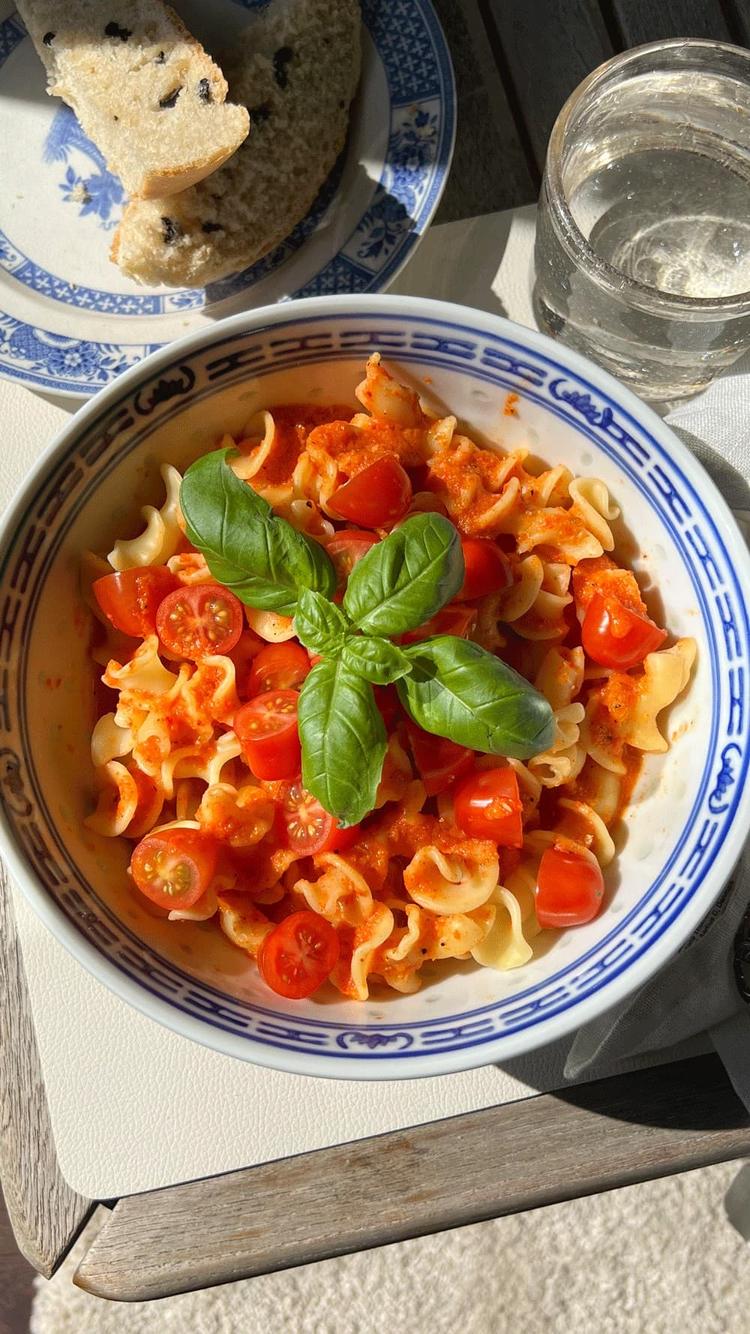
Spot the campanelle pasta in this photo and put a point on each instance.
(463, 855)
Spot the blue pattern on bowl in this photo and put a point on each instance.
(503, 362)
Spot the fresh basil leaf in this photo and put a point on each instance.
(343, 740)
(320, 624)
(376, 659)
(458, 690)
(248, 548)
(405, 579)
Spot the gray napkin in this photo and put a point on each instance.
(700, 989)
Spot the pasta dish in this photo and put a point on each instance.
(374, 695)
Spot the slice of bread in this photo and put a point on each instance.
(296, 70)
(142, 87)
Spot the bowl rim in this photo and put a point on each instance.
(503, 1046)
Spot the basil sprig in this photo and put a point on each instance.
(458, 690)
(248, 548)
(343, 740)
(449, 686)
(401, 582)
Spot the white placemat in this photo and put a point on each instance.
(135, 1107)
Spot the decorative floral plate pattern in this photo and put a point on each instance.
(70, 321)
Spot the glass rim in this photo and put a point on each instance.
(604, 274)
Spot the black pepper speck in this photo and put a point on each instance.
(281, 59)
(114, 30)
(48, 38)
(171, 231)
(159, 60)
(204, 90)
(170, 98)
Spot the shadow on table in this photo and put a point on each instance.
(692, 1094)
(461, 264)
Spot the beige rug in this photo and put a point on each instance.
(659, 1258)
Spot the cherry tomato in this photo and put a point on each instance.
(278, 667)
(487, 569)
(130, 598)
(570, 888)
(346, 549)
(615, 636)
(298, 955)
(438, 760)
(451, 620)
(174, 868)
(201, 619)
(309, 826)
(267, 731)
(376, 497)
(487, 805)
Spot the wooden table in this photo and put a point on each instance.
(516, 61)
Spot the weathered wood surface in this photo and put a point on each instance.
(46, 1215)
(490, 170)
(461, 1170)
(641, 21)
(16, 1279)
(544, 49)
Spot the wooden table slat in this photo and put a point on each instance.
(548, 47)
(445, 1174)
(738, 18)
(640, 21)
(45, 1214)
(490, 170)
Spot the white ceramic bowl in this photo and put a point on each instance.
(689, 817)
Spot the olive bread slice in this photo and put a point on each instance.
(297, 69)
(142, 87)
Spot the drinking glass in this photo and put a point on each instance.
(642, 252)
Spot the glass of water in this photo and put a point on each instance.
(643, 231)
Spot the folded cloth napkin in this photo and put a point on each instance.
(706, 987)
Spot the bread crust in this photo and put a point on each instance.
(59, 30)
(301, 66)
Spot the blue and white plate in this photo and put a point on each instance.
(70, 321)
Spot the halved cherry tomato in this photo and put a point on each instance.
(346, 549)
(375, 497)
(459, 621)
(130, 598)
(570, 888)
(487, 804)
(298, 955)
(279, 667)
(615, 636)
(438, 760)
(174, 868)
(201, 619)
(310, 827)
(487, 569)
(267, 731)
